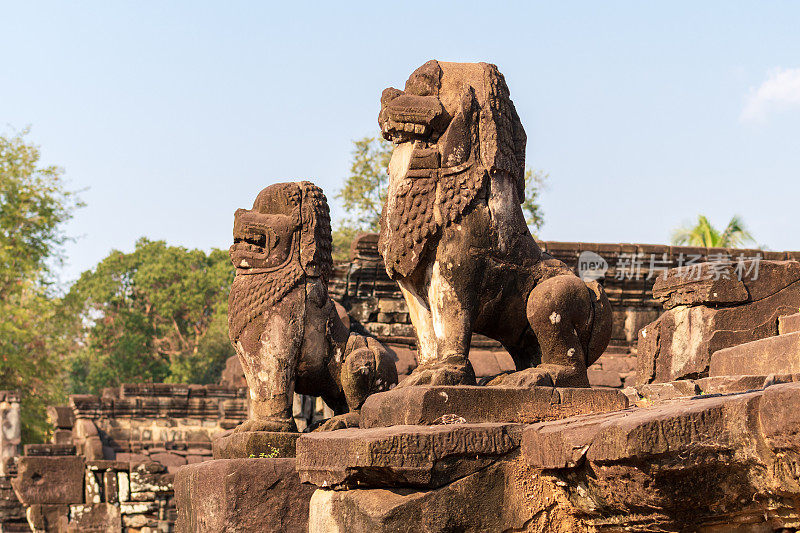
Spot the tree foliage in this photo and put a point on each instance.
(156, 314)
(34, 205)
(535, 182)
(364, 192)
(703, 233)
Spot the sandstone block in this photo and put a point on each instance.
(150, 477)
(604, 378)
(683, 286)
(779, 415)
(47, 517)
(241, 495)
(640, 434)
(731, 384)
(49, 480)
(169, 460)
(62, 436)
(699, 464)
(61, 416)
(420, 456)
(773, 355)
(667, 391)
(502, 497)
(789, 324)
(97, 518)
(49, 449)
(703, 317)
(392, 305)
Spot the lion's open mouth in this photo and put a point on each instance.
(251, 244)
(252, 238)
(405, 131)
(246, 254)
(405, 117)
(260, 240)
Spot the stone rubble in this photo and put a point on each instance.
(112, 463)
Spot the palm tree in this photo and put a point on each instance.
(735, 235)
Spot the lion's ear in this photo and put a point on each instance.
(315, 236)
(426, 80)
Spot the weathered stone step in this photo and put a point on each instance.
(789, 324)
(402, 456)
(731, 384)
(429, 405)
(708, 426)
(773, 355)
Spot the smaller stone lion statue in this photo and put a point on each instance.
(454, 237)
(285, 328)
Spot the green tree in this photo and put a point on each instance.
(535, 182)
(364, 192)
(156, 314)
(703, 233)
(34, 205)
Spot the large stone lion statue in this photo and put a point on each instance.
(285, 328)
(454, 237)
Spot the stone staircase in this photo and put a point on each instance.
(776, 357)
(748, 366)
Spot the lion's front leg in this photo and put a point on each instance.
(269, 349)
(443, 329)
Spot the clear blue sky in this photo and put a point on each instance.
(173, 114)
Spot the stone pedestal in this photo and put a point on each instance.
(251, 485)
(254, 445)
(241, 495)
(433, 405)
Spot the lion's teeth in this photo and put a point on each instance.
(244, 264)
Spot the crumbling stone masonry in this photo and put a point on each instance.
(12, 513)
(112, 462)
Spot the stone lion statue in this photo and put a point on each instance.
(283, 325)
(454, 237)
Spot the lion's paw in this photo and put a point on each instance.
(530, 377)
(440, 374)
(347, 420)
(544, 375)
(270, 425)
